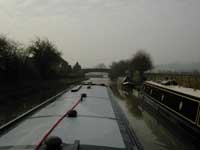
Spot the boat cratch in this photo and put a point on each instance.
(180, 103)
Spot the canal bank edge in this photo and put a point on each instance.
(129, 137)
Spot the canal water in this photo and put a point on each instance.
(152, 133)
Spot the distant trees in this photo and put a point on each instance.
(65, 68)
(10, 58)
(46, 57)
(40, 60)
(101, 66)
(118, 69)
(140, 62)
(7, 47)
(77, 70)
(77, 67)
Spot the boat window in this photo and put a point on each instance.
(162, 98)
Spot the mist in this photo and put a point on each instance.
(102, 31)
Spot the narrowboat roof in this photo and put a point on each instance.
(95, 125)
(176, 88)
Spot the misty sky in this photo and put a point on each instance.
(102, 31)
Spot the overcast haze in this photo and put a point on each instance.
(96, 31)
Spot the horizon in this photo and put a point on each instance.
(93, 32)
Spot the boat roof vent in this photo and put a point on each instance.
(72, 113)
(53, 143)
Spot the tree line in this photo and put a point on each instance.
(40, 60)
(139, 63)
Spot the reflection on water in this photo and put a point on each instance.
(151, 133)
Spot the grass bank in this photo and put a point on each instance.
(17, 98)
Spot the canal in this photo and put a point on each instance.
(150, 129)
(152, 133)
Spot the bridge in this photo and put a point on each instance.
(87, 70)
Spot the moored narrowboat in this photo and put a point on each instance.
(179, 103)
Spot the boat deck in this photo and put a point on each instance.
(97, 123)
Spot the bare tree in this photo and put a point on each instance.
(118, 69)
(141, 62)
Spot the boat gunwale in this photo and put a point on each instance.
(193, 122)
(189, 97)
